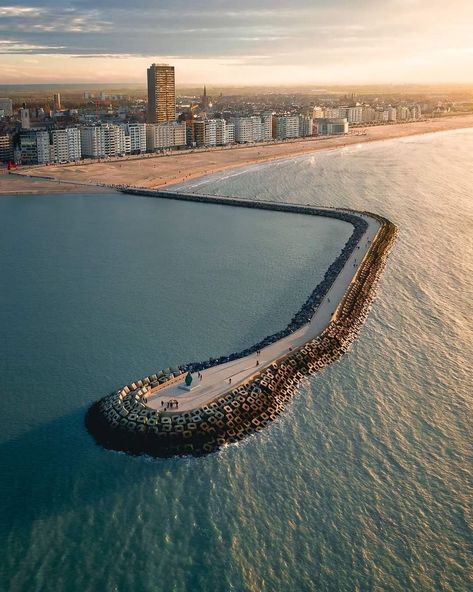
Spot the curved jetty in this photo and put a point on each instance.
(199, 407)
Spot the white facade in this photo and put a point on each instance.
(243, 129)
(256, 128)
(43, 147)
(103, 140)
(210, 133)
(286, 126)
(221, 132)
(305, 126)
(391, 113)
(114, 139)
(369, 115)
(355, 114)
(230, 132)
(137, 133)
(66, 145)
(92, 141)
(170, 134)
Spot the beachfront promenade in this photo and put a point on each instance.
(237, 395)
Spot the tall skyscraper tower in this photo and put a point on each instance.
(161, 93)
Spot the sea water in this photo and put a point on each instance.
(364, 483)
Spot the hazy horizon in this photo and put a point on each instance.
(305, 42)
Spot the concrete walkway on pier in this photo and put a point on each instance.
(216, 381)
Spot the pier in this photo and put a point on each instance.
(233, 396)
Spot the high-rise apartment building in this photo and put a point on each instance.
(306, 125)
(35, 147)
(137, 133)
(66, 145)
(92, 140)
(171, 134)
(256, 128)
(285, 126)
(161, 93)
(354, 114)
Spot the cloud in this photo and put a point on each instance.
(298, 34)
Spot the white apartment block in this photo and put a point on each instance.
(256, 128)
(402, 113)
(43, 147)
(210, 132)
(92, 141)
(369, 114)
(230, 133)
(306, 125)
(391, 113)
(114, 139)
(213, 132)
(103, 140)
(355, 114)
(137, 134)
(285, 126)
(221, 137)
(170, 134)
(243, 129)
(66, 145)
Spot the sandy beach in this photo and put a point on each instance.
(22, 185)
(164, 170)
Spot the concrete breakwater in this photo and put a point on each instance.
(124, 421)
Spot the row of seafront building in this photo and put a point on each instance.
(167, 130)
(39, 146)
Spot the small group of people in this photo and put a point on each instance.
(173, 404)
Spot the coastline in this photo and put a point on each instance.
(162, 171)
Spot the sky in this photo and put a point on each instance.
(238, 42)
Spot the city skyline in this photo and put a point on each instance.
(298, 43)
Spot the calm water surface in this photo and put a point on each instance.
(365, 483)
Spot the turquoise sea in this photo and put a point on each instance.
(365, 483)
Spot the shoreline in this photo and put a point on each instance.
(163, 171)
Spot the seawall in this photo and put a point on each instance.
(123, 420)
